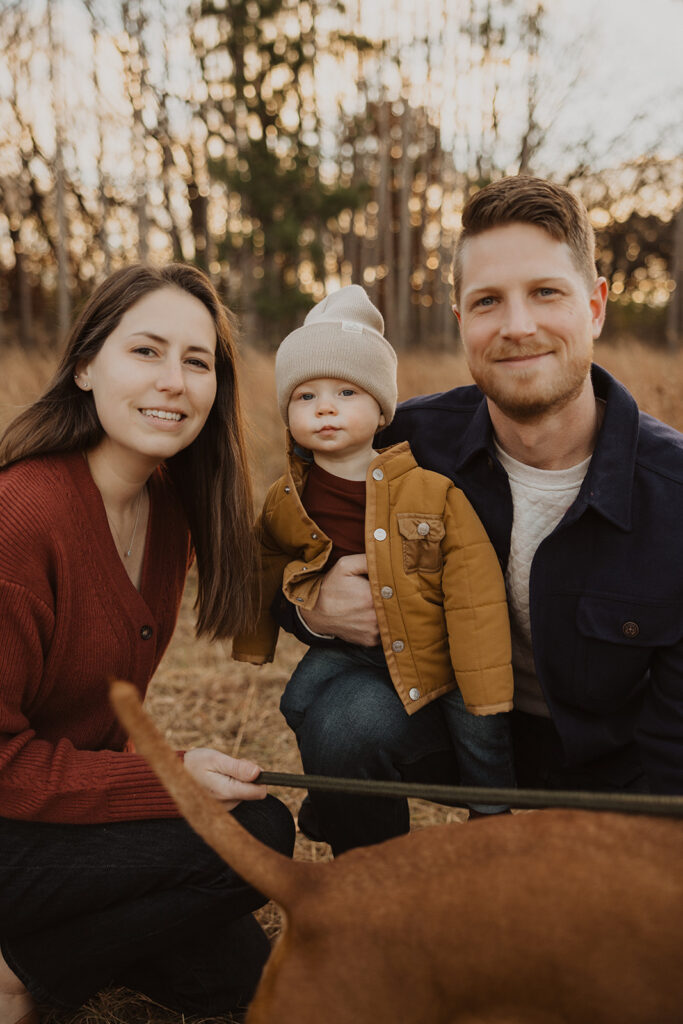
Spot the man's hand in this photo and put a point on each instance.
(344, 607)
(226, 778)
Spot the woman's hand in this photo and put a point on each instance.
(229, 779)
(344, 607)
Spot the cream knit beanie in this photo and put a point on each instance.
(342, 337)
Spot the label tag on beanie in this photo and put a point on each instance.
(349, 325)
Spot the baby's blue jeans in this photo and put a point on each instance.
(349, 722)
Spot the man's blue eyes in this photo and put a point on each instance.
(488, 300)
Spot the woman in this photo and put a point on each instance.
(131, 464)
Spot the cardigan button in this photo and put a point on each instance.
(146, 632)
(380, 534)
(386, 593)
(630, 629)
(397, 646)
(414, 693)
(377, 474)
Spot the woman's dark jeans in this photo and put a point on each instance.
(143, 904)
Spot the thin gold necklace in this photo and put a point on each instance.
(127, 554)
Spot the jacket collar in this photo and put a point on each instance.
(394, 460)
(608, 484)
(477, 439)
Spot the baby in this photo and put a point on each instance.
(436, 582)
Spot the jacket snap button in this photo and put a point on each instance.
(397, 646)
(414, 693)
(146, 632)
(287, 490)
(380, 534)
(300, 599)
(630, 629)
(377, 474)
(423, 529)
(386, 593)
(314, 536)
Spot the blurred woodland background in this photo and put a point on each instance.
(292, 146)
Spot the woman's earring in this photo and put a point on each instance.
(85, 385)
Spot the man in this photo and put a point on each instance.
(581, 496)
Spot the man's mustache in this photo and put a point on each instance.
(518, 352)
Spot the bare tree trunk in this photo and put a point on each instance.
(26, 335)
(448, 331)
(102, 236)
(355, 247)
(402, 337)
(531, 35)
(385, 232)
(199, 210)
(674, 320)
(168, 163)
(133, 18)
(63, 297)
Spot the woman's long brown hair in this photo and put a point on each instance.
(211, 474)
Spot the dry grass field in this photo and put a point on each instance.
(198, 695)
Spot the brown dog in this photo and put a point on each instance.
(560, 917)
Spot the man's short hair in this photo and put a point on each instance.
(525, 200)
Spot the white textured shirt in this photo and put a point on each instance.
(540, 498)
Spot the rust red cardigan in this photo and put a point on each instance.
(70, 619)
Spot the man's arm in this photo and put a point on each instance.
(344, 609)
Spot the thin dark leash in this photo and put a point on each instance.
(624, 803)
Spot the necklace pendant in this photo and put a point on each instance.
(131, 543)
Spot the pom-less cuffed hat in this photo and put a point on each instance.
(342, 337)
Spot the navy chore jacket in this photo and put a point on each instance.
(606, 587)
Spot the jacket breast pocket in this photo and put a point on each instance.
(618, 638)
(421, 537)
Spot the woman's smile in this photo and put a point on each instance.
(163, 417)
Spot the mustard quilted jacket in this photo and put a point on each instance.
(436, 582)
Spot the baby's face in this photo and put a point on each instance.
(332, 416)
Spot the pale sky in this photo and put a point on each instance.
(631, 52)
(604, 63)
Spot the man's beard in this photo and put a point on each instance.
(526, 400)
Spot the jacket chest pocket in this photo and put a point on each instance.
(617, 639)
(421, 537)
